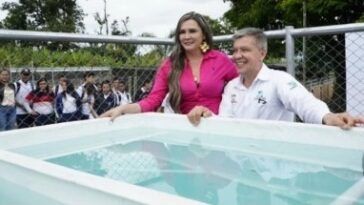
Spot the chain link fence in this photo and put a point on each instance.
(322, 58)
(331, 66)
(321, 67)
(319, 60)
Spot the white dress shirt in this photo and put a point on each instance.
(273, 95)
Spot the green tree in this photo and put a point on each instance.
(220, 27)
(123, 51)
(275, 14)
(44, 15)
(162, 50)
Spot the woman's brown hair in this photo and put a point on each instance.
(178, 56)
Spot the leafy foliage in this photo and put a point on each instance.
(326, 53)
(275, 14)
(11, 56)
(44, 15)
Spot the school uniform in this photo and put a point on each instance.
(68, 107)
(104, 102)
(23, 118)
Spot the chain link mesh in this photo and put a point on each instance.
(321, 63)
(321, 67)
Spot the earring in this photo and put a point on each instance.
(204, 47)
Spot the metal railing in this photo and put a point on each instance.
(315, 54)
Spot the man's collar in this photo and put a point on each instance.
(263, 73)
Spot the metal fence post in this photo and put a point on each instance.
(290, 51)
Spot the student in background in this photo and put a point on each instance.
(7, 101)
(22, 88)
(106, 99)
(57, 89)
(88, 99)
(125, 97)
(68, 103)
(114, 88)
(120, 91)
(39, 103)
(88, 77)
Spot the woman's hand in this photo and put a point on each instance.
(113, 113)
(194, 116)
(122, 109)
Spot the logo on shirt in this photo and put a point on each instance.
(260, 98)
(233, 99)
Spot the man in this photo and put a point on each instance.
(125, 97)
(84, 91)
(106, 99)
(57, 89)
(22, 88)
(88, 77)
(119, 89)
(263, 93)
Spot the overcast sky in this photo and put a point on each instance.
(153, 16)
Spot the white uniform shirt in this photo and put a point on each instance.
(87, 100)
(69, 104)
(123, 98)
(23, 91)
(90, 100)
(43, 108)
(80, 89)
(9, 99)
(273, 95)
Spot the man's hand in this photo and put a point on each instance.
(194, 116)
(342, 120)
(359, 121)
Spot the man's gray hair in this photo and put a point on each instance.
(257, 33)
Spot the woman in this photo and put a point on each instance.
(68, 103)
(42, 103)
(88, 99)
(7, 101)
(194, 74)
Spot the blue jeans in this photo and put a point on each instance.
(7, 117)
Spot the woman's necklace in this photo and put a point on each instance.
(197, 82)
